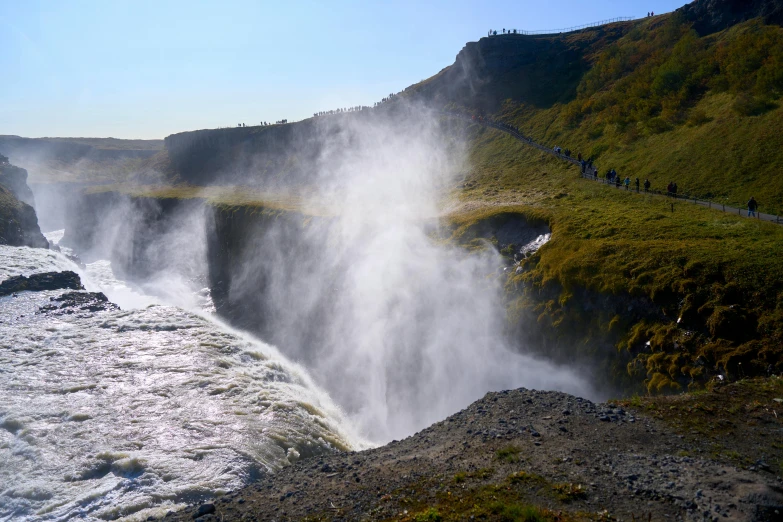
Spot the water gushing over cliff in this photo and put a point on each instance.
(401, 329)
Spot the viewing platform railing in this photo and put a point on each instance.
(559, 31)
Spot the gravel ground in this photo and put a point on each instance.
(574, 459)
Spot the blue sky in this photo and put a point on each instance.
(147, 69)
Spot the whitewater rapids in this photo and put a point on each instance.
(135, 412)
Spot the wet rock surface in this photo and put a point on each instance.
(611, 464)
(39, 282)
(78, 302)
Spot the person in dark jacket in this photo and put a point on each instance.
(646, 185)
(752, 206)
(637, 184)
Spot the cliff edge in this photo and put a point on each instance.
(15, 179)
(18, 221)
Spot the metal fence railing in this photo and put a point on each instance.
(592, 173)
(682, 197)
(575, 28)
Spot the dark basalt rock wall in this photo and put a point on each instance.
(278, 155)
(15, 179)
(710, 16)
(18, 223)
(137, 234)
(258, 257)
(245, 247)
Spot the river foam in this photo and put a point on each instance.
(134, 412)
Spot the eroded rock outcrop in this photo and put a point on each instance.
(39, 282)
(78, 302)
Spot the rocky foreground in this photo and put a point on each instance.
(528, 455)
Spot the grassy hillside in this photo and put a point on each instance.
(666, 104)
(663, 103)
(652, 99)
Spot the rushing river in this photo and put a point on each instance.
(134, 412)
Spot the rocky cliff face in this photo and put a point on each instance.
(537, 70)
(255, 259)
(18, 222)
(15, 180)
(244, 249)
(280, 155)
(141, 236)
(710, 16)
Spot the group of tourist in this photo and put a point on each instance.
(358, 108)
(346, 109)
(590, 170)
(264, 123)
(671, 188)
(494, 32)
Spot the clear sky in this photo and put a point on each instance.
(147, 69)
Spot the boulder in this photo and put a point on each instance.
(75, 302)
(39, 282)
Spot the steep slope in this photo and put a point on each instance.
(540, 71)
(671, 295)
(18, 222)
(650, 98)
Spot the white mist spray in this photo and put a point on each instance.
(406, 331)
